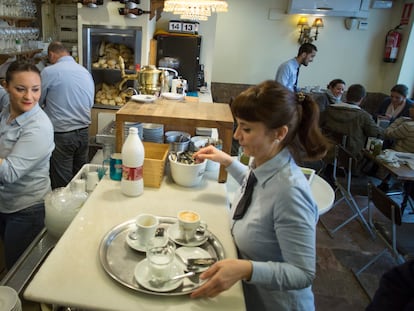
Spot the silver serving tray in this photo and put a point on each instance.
(119, 260)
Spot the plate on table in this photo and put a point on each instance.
(169, 95)
(119, 260)
(143, 276)
(186, 253)
(144, 98)
(175, 235)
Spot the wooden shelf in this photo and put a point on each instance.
(24, 54)
(11, 20)
(156, 8)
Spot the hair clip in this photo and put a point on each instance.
(300, 96)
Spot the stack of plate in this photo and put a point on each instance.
(9, 300)
(138, 125)
(153, 132)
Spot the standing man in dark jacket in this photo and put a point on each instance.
(68, 92)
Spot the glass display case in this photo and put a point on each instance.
(103, 44)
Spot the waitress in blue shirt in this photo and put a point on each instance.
(275, 233)
(26, 144)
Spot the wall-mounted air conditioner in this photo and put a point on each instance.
(345, 8)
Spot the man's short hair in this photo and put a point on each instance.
(355, 93)
(57, 47)
(307, 48)
(400, 89)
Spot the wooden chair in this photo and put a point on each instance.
(396, 235)
(344, 160)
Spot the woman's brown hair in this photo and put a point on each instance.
(274, 105)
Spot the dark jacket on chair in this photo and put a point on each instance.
(352, 121)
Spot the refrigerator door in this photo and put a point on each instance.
(187, 50)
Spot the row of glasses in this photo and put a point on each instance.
(25, 36)
(18, 8)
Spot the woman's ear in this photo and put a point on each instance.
(281, 132)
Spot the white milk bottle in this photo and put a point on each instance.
(132, 182)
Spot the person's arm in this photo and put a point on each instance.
(30, 148)
(370, 128)
(283, 76)
(399, 129)
(295, 228)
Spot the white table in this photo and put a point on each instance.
(72, 274)
(322, 192)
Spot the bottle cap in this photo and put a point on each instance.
(133, 130)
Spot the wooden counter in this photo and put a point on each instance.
(180, 116)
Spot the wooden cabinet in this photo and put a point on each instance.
(183, 116)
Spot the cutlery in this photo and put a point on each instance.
(160, 283)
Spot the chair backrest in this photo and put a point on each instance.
(337, 137)
(387, 206)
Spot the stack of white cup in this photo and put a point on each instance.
(9, 299)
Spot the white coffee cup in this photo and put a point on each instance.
(160, 258)
(146, 226)
(188, 224)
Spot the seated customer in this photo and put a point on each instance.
(351, 120)
(396, 105)
(402, 131)
(333, 94)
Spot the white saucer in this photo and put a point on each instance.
(144, 98)
(134, 244)
(186, 253)
(142, 275)
(169, 95)
(174, 235)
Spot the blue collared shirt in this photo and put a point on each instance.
(68, 92)
(287, 72)
(26, 145)
(278, 235)
(4, 98)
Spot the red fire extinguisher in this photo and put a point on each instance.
(392, 44)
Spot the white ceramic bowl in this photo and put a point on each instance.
(187, 175)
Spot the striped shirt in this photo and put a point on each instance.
(402, 130)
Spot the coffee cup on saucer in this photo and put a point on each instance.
(190, 224)
(146, 225)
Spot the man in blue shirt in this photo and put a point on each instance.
(288, 72)
(68, 92)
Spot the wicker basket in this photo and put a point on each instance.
(154, 163)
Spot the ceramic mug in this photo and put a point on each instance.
(189, 222)
(146, 226)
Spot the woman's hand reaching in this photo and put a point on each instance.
(213, 154)
(223, 275)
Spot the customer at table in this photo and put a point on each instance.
(402, 132)
(333, 94)
(68, 92)
(275, 231)
(26, 144)
(350, 119)
(395, 106)
(288, 73)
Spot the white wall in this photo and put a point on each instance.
(254, 46)
(248, 46)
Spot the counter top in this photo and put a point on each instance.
(73, 276)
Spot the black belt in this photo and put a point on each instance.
(77, 130)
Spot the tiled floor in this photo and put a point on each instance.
(335, 286)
